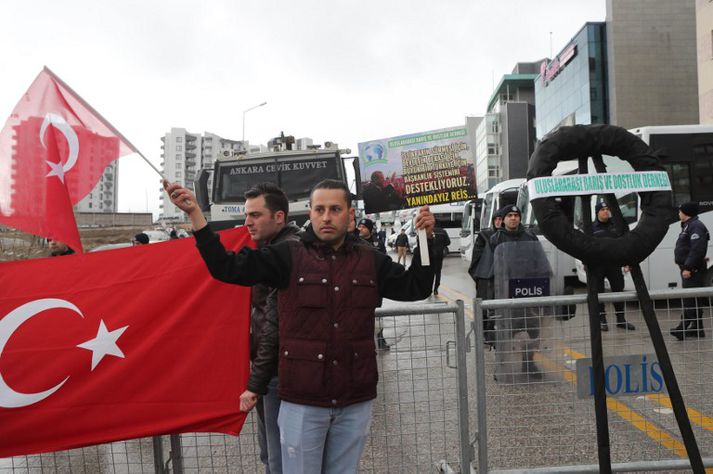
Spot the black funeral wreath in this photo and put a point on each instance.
(569, 143)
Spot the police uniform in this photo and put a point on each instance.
(611, 273)
(690, 255)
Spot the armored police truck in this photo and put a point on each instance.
(296, 171)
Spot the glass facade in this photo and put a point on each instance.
(572, 89)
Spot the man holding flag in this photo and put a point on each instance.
(328, 288)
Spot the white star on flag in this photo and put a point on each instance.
(56, 169)
(104, 344)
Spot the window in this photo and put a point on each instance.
(179, 147)
(493, 149)
(179, 174)
(90, 205)
(179, 139)
(493, 172)
(179, 156)
(679, 174)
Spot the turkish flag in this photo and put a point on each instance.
(54, 148)
(122, 344)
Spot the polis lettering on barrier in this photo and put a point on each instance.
(529, 287)
(618, 377)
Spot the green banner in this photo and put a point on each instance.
(600, 183)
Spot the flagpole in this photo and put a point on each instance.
(104, 121)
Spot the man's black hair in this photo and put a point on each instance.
(275, 198)
(333, 184)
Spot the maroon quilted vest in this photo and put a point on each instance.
(327, 353)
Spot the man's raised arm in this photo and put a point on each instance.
(270, 265)
(185, 200)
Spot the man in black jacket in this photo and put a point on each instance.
(402, 246)
(328, 288)
(367, 234)
(604, 227)
(690, 256)
(440, 242)
(482, 272)
(266, 208)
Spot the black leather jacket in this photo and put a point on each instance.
(264, 341)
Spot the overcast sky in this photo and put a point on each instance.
(343, 71)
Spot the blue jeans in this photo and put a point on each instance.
(268, 433)
(323, 440)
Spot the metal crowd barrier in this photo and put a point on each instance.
(539, 417)
(419, 423)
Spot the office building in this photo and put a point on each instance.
(505, 137)
(652, 75)
(704, 48)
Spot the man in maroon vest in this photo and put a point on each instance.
(328, 287)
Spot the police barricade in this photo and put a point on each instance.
(419, 421)
(546, 423)
(521, 270)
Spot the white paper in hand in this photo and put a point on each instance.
(423, 247)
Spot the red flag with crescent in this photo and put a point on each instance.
(54, 148)
(121, 344)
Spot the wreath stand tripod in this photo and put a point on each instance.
(594, 140)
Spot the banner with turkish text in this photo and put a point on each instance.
(121, 344)
(54, 148)
(435, 167)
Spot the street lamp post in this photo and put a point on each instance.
(246, 111)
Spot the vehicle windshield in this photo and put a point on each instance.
(529, 221)
(523, 202)
(467, 210)
(628, 204)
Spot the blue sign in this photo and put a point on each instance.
(623, 376)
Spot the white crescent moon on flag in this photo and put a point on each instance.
(10, 398)
(60, 124)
